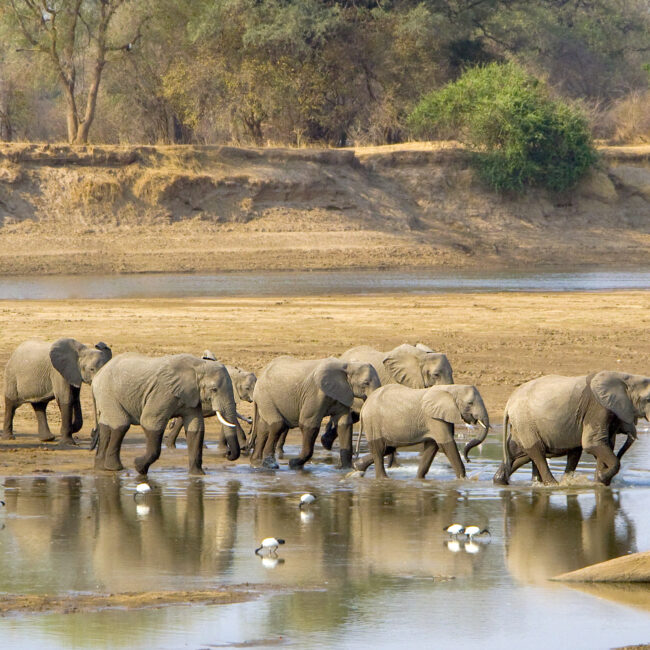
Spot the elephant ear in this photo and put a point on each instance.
(611, 392)
(331, 378)
(440, 405)
(107, 353)
(424, 348)
(404, 366)
(64, 355)
(181, 378)
(208, 356)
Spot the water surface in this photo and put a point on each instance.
(292, 283)
(368, 565)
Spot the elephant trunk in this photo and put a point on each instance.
(227, 415)
(485, 423)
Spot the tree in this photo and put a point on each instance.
(62, 31)
(520, 135)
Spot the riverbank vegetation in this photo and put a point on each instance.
(301, 72)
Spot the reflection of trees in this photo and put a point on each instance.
(548, 534)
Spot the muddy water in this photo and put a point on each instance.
(367, 565)
(291, 283)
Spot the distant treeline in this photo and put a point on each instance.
(296, 72)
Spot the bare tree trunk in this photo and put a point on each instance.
(91, 102)
(72, 120)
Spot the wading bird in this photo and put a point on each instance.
(472, 531)
(454, 529)
(271, 543)
(306, 500)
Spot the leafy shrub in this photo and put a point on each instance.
(520, 135)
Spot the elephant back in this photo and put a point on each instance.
(28, 373)
(367, 354)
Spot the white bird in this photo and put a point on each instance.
(143, 488)
(471, 531)
(453, 545)
(306, 499)
(271, 543)
(454, 529)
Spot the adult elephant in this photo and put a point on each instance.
(556, 415)
(416, 366)
(243, 384)
(399, 416)
(38, 372)
(149, 391)
(292, 392)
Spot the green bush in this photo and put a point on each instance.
(519, 134)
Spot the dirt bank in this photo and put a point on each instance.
(496, 341)
(628, 568)
(215, 208)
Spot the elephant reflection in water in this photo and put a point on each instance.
(43, 518)
(178, 536)
(547, 535)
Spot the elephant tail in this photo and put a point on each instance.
(253, 432)
(94, 434)
(358, 449)
(507, 459)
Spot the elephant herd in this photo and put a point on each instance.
(401, 398)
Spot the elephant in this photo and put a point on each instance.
(556, 415)
(417, 366)
(243, 383)
(38, 372)
(293, 392)
(149, 391)
(399, 416)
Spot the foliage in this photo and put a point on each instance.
(521, 136)
(330, 72)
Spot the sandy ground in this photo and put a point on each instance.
(496, 341)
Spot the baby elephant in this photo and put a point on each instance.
(291, 392)
(38, 372)
(243, 383)
(399, 416)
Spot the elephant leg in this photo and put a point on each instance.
(451, 451)
(572, 460)
(608, 458)
(10, 410)
(77, 415)
(112, 460)
(195, 433)
(259, 441)
(276, 432)
(329, 435)
(426, 457)
(378, 450)
(44, 433)
(282, 438)
(362, 464)
(537, 454)
(175, 426)
(392, 460)
(344, 426)
(103, 437)
(535, 476)
(152, 452)
(309, 435)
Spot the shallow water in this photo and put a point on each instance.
(292, 283)
(368, 564)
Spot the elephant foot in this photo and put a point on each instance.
(280, 453)
(67, 441)
(346, 459)
(196, 471)
(270, 463)
(296, 463)
(49, 438)
(113, 465)
(8, 436)
(500, 477)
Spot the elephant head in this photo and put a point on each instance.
(418, 366)
(362, 378)
(467, 405)
(243, 382)
(215, 388)
(345, 380)
(78, 362)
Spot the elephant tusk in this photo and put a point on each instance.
(224, 421)
(481, 423)
(243, 418)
